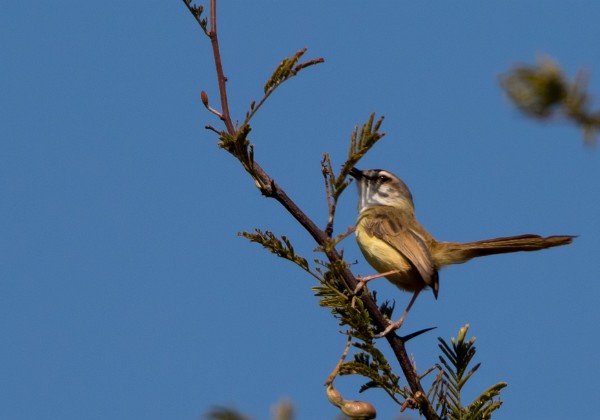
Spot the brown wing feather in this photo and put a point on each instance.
(390, 227)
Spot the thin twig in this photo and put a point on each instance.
(343, 235)
(337, 367)
(326, 169)
(214, 40)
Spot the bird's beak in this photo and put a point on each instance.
(356, 173)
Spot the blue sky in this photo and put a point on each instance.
(124, 290)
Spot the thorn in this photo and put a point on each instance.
(415, 334)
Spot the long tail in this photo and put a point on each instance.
(445, 253)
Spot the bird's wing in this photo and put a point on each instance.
(390, 227)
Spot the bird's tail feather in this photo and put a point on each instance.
(456, 253)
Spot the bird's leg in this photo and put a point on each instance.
(364, 280)
(395, 325)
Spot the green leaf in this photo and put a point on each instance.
(454, 375)
(361, 141)
(543, 91)
(281, 247)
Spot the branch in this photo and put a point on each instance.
(329, 179)
(287, 69)
(211, 32)
(271, 189)
(214, 40)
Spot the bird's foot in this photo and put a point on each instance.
(393, 326)
(364, 280)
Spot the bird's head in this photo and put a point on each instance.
(377, 187)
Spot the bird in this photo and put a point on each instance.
(401, 250)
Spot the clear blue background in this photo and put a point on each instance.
(124, 290)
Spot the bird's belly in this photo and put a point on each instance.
(383, 258)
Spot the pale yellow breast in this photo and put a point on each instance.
(383, 257)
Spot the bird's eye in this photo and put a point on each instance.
(383, 178)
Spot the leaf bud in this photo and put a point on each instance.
(204, 98)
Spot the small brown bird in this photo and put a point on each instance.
(400, 249)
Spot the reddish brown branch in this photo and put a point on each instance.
(214, 40)
(396, 343)
(270, 189)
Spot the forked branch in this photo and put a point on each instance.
(235, 141)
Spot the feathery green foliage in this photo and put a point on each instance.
(280, 247)
(288, 68)
(360, 143)
(368, 361)
(372, 364)
(335, 295)
(196, 11)
(543, 91)
(332, 290)
(454, 375)
(238, 144)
